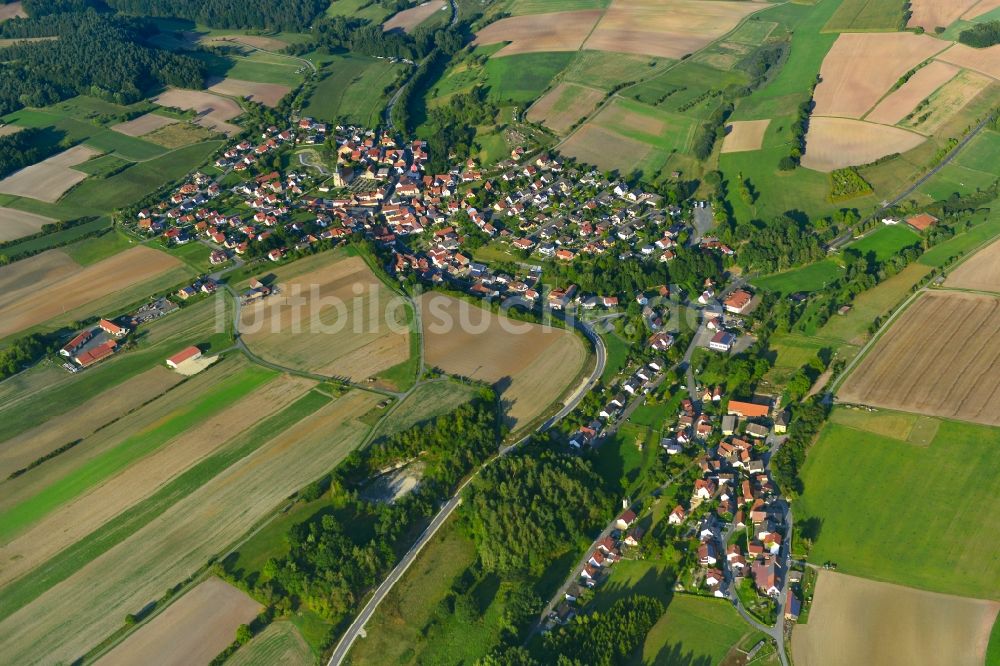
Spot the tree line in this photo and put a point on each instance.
(24, 148)
(291, 15)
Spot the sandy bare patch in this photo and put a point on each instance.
(143, 124)
(985, 61)
(17, 223)
(408, 19)
(666, 28)
(255, 41)
(531, 365)
(744, 135)
(564, 106)
(7, 130)
(940, 358)
(862, 67)
(834, 143)
(604, 149)
(72, 616)
(268, 94)
(858, 621)
(193, 630)
(930, 14)
(336, 320)
(980, 272)
(75, 520)
(12, 10)
(81, 422)
(561, 31)
(213, 111)
(50, 178)
(26, 307)
(900, 102)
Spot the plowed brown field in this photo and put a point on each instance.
(268, 94)
(213, 111)
(17, 223)
(980, 272)
(941, 358)
(985, 61)
(858, 621)
(33, 304)
(561, 31)
(531, 365)
(50, 178)
(408, 19)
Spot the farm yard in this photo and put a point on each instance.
(857, 621)
(50, 178)
(192, 630)
(936, 359)
(18, 223)
(41, 288)
(333, 316)
(872, 523)
(524, 361)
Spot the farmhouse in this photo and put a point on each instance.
(184, 355)
(113, 329)
(98, 353)
(748, 410)
(922, 221)
(70, 347)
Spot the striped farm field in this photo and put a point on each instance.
(280, 643)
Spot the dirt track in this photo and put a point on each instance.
(858, 621)
(940, 358)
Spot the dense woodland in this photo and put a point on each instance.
(21, 353)
(24, 148)
(981, 35)
(289, 15)
(94, 54)
(603, 639)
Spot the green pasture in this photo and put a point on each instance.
(102, 467)
(603, 69)
(694, 630)
(886, 241)
(123, 525)
(91, 250)
(521, 78)
(352, 90)
(279, 643)
(866, 15)
(906, 514)
(808, 278)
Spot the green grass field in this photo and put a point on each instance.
(866, 15)
(90, 133)
(620, 462)
(941, 254)
(601, 69)
(522, 78)
(906, 514)
(60, 567)
(808, 278)
(279, 643)
(56, 239)
(375, 12)
(267, 68)
(91, 250)
(426, 402)
(352, 90)
(103, 165)
(682, 85)
(886, 242)
(993, 650)
(617, 356)
(130, 450)
(694, 630)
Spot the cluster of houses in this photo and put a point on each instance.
(93, 345)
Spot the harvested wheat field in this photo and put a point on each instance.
(930, 14)
(26, 275)
(50, 178)
(531, 365)
(213, 111)
(561, 31)
(835, 143)
(564, 106)
(78, 518)
(605, 149)
(47, 299)
(862, 67)
(268, 94)
(985, 61)
(940, 358)
(666, 28)
(338, 319)
(74, 615)
(17, 224)
(980, 272)
(79, 423)
(143, 125)
(193, 630)
(408, 19)
(944, 103)
(744, 135)
(858, 621)
(902, 101)
(12, 10)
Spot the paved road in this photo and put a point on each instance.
(357, 626)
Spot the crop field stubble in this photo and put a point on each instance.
(985, 61)
(930, 14)
(50, 178)
(835, 143)
(858, 621)
(981, 272)
(938, 358)
(560, 31)
(333, 316)
(945, 102)
(531, 365)
(69, 618)
(895, 106)
(193, 630)
(60, 292)
(564, 106)
(744, 135)
(408, 19)
(16, 224)
(143, 125)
